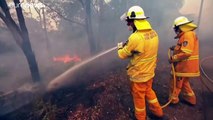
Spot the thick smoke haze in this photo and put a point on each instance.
(71, 38)
(192, 8)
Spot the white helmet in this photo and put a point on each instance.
(136, 12)
(182, 20)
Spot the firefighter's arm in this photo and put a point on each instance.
(126, 50)
(186, 48)
(179, 57)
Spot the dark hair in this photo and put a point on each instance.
(176, 28)
(130, 22)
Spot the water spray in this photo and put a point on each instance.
(25, 94)
(65, 78)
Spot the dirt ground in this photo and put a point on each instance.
(108, 97)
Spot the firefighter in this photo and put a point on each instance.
(185, 58)
(141, 48)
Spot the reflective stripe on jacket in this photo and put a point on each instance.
(142, 48)
(187, 54)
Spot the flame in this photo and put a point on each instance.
(66, 59)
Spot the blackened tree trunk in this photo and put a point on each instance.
(45, 33)
(20, 34)
(89, 30)
(86, 4)
(43, 24)
(100, 25)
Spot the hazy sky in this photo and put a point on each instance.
(191, 7)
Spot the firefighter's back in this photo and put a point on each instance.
(143, 63)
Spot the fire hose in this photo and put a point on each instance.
(201, 67)
(174, 81)
(202, 70)
(204, 59)
(174, 77)
(204, 73)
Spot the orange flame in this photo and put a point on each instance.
(66, 59)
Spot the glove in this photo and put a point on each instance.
(125, 43)
(172, 47)
(173, 59)
(120, 45)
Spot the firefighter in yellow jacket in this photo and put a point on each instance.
(185, 58)
(142, 49)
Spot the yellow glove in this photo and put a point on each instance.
(120, 45)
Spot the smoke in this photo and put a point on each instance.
(71, 39)
(74, 75)
(192, 7)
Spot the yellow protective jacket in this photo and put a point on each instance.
(186, 54)
(142, 48)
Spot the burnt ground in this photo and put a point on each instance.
(108, 97)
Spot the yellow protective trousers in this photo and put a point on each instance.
(142, 91)
(182, 85)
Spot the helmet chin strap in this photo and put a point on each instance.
(134, 28)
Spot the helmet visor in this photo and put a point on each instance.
(123, 16)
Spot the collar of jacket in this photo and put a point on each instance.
(142, 24)
(179, 35)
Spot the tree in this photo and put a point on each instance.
(99, 16)
(20, 34)
(83, 15)
(89, 29)
(43, 24)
